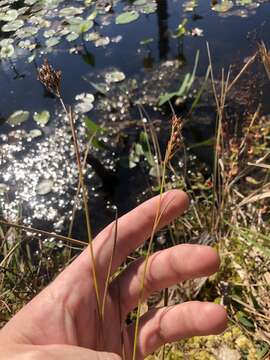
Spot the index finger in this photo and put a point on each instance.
(133, 229)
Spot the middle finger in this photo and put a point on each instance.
(165, 268)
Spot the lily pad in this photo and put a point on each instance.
(114, 76)
(18, 117)
(3, 188)
(42, 118)
(10, 15)
(92, 36)
(224, 6)
(149, 8)
(12, 25)
(103, 41)
(85, 102)
(7, 51)
(34, 133)
(44, 187)
(52, 41)
(49, 33)
(27, 31)
(140, 2)
(70, 11)
(72, 36)
(127, 17)
(100, 87)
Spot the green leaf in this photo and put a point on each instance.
(7, 51)
(127, 17)
(42, 118)
(72, 36)
(146, 41)
(224, 6)
(244, 320)
(9, 15)
(149, 9)
(91, 126)
(93, 129)
(18, 117)
(139, 2)
(100, 87)
(114, 76)
(85, 26)
(12, 25)
(184, 87)
(52, 41)
(71, 11)
(263, 350)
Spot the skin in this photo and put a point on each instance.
(62, 321)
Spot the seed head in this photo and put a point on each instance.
(50, 78)
(176, 134)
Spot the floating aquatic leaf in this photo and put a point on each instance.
(71, 11)
(102, 41)
(27, 31)
(72, 36)
(140, 2)
(146, 41)
(31, 58)
(244, 2)
(18, 117)
(100, 87)
(7, 41)
(75, 20)
(85, 102)
(93, 36)
(49, 33)
(149, 8)
(52, 41)
(44, 187)
(127, 17)
(224, 6)
(7, 51)
(190, 6)
(26, 44)
(116, 39)
(42, 118)
(3, 188)
(85, 26)
(114, 76)
(81, 27)
(30, 2)
(34, 133)
(12, 25)
(10, 15)
(92, 16)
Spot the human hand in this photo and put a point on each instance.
(63, 319)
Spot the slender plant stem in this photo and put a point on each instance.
(155, 226)
(85, 201)
(43, 232)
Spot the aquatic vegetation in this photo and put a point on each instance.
(121, 62)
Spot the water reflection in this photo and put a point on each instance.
(163, 31)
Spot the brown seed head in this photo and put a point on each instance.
(50, 78)
(176, 134)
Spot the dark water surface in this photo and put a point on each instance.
(26, 163)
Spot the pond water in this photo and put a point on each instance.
(119, 64)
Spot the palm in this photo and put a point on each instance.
(66, 312)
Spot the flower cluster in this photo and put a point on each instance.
(50, 78)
